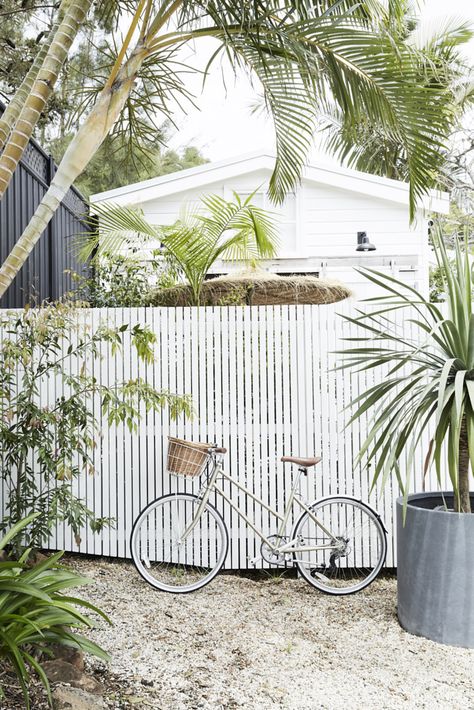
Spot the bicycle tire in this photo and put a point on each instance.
(171, 568)
(342, 580)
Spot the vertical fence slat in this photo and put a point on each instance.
(263, 384)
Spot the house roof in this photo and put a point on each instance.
(210, 173)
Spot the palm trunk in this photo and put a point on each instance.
(462, 502)
(13, 110)
(74, 16)
(80, 151)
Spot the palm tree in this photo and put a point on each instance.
(226, 230)
(21, 117)
(365, 145)
(303, 54)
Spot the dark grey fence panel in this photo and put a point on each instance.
(42, 277)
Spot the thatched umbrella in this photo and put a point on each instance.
(256, 288)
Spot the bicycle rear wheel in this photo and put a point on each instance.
(167, 560)
(359, 546)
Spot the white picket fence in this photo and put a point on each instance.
(263, 384)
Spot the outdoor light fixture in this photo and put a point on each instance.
(363, 243)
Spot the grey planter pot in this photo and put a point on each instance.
(435, 573)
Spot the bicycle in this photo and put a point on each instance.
(179, 542)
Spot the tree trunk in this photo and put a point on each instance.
(462, 503)
(13, 110)
(86, 143)
(74, 15)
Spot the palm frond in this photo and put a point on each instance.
(307, 55)
(433, 389)
(228, 229)
(117, 229)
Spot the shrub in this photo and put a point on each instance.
(35, 613)
(45, 447)
(117, 281)
(428, 376)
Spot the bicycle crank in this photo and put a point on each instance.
(269, 554)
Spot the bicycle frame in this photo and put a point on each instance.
(290, 546)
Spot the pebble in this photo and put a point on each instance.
(265, 643)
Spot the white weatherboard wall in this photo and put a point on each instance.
(263, 384)
(318, 223)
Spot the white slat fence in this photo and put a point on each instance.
(263, 384)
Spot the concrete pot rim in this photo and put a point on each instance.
(413, 498)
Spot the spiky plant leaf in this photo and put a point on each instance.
(35, 613)
(428, 374)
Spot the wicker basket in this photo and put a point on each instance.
(186, 458)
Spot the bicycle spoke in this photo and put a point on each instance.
(358, 551)
(167, 560)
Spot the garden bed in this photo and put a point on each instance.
(261, 642)
(266, 642)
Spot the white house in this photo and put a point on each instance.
(320, 223)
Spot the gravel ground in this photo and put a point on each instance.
(265, 642)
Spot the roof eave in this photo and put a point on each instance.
(204, 174)
(334, 176)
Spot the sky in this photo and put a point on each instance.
(225, 125)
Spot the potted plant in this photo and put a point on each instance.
(426, 393)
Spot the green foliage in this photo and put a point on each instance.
(305, 56)
(366, 145)
(45, 447)
(37, 611)
(455, 226)
(18, 47)
(458, 224)
(237, 297)
(437, 284)
(226, 229)
(24, 27)
(170, 161)
(118, 281)
(115, 282)
(119, 162)
(343, 54)
(428, 377)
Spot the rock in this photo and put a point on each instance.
(71, 655)
(60, 671)
(89, 684)
(36, 558)
(76, 699)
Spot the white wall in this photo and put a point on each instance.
(318, 227)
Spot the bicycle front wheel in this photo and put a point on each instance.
(351, 557)
(174, 548)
